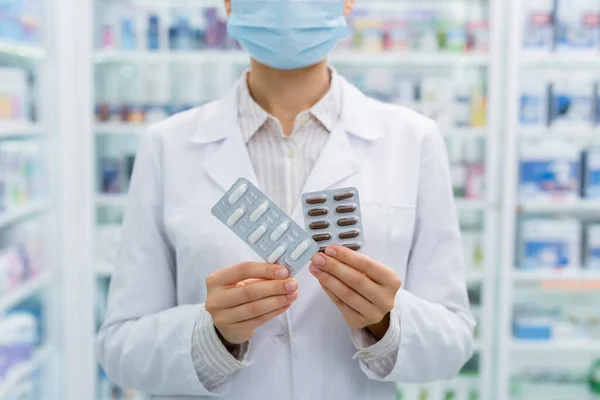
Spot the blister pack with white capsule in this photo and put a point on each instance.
(333, 217)
(269, 231)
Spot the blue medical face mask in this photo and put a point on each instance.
(287, 34)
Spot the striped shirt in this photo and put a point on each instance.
(282, 164)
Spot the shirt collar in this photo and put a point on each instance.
(252, 116)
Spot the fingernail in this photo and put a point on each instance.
(314, 270)
(281, 272)
(292, 296)
(330, 251)
(319, 260)
(291, 286)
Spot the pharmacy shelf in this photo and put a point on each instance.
(581, 206)
(111, 200)
(8, 48)
(475, 276)
(19, 129)
(22, 212)
(470, 204)
(568, 60)
(25, 290)
(580, 345)
(464, 133)
(347, 57)
(585, 134)
(115, 128)
(572, 274)
(20, 373)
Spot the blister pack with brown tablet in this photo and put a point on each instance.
(333, 217)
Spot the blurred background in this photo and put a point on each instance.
(513, 84)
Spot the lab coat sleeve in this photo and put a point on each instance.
(146, 340)
(436, 325)
(214, 363)
(379, 356)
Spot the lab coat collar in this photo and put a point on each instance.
(218, 118)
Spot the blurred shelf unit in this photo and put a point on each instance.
(119, 128)
(580, 345)
(22, 212)
(377, 59)
(13, 49)
(561, 60)
(27, 289)
(591, 134)
(22, 372)
(579, 206)
(19, 129)
(115, 128)
(465, 204)
(111, 200)
(475, 276)
(567, 274)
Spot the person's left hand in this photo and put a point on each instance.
(362, 288)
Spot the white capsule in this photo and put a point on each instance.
(278, 252)
(257, 234)
(298, 251)
(259, 212)
(235, 217)
(237, 193)
(279, 231)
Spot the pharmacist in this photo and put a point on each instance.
(194, 313)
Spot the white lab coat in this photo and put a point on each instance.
(397, 160)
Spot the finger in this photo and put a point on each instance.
(373, 269)
(355, 279)
(257, 308)
(348, 295)
(252, 324)
(249, 292)
(345, 309)
(246, 270)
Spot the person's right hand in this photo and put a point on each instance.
(245, 296)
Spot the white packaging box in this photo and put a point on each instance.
(550, 243)
(533, 102)
(577, 26)
(13, 95)
(549, 170)
(538, 30)
(572, 102)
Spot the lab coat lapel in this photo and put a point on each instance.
(340, 158)
(231, 160)
(336, 162)
(219, 127)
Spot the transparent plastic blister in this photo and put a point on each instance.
(261, 224)
(333, 217)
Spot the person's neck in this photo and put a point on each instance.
(286, 93)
